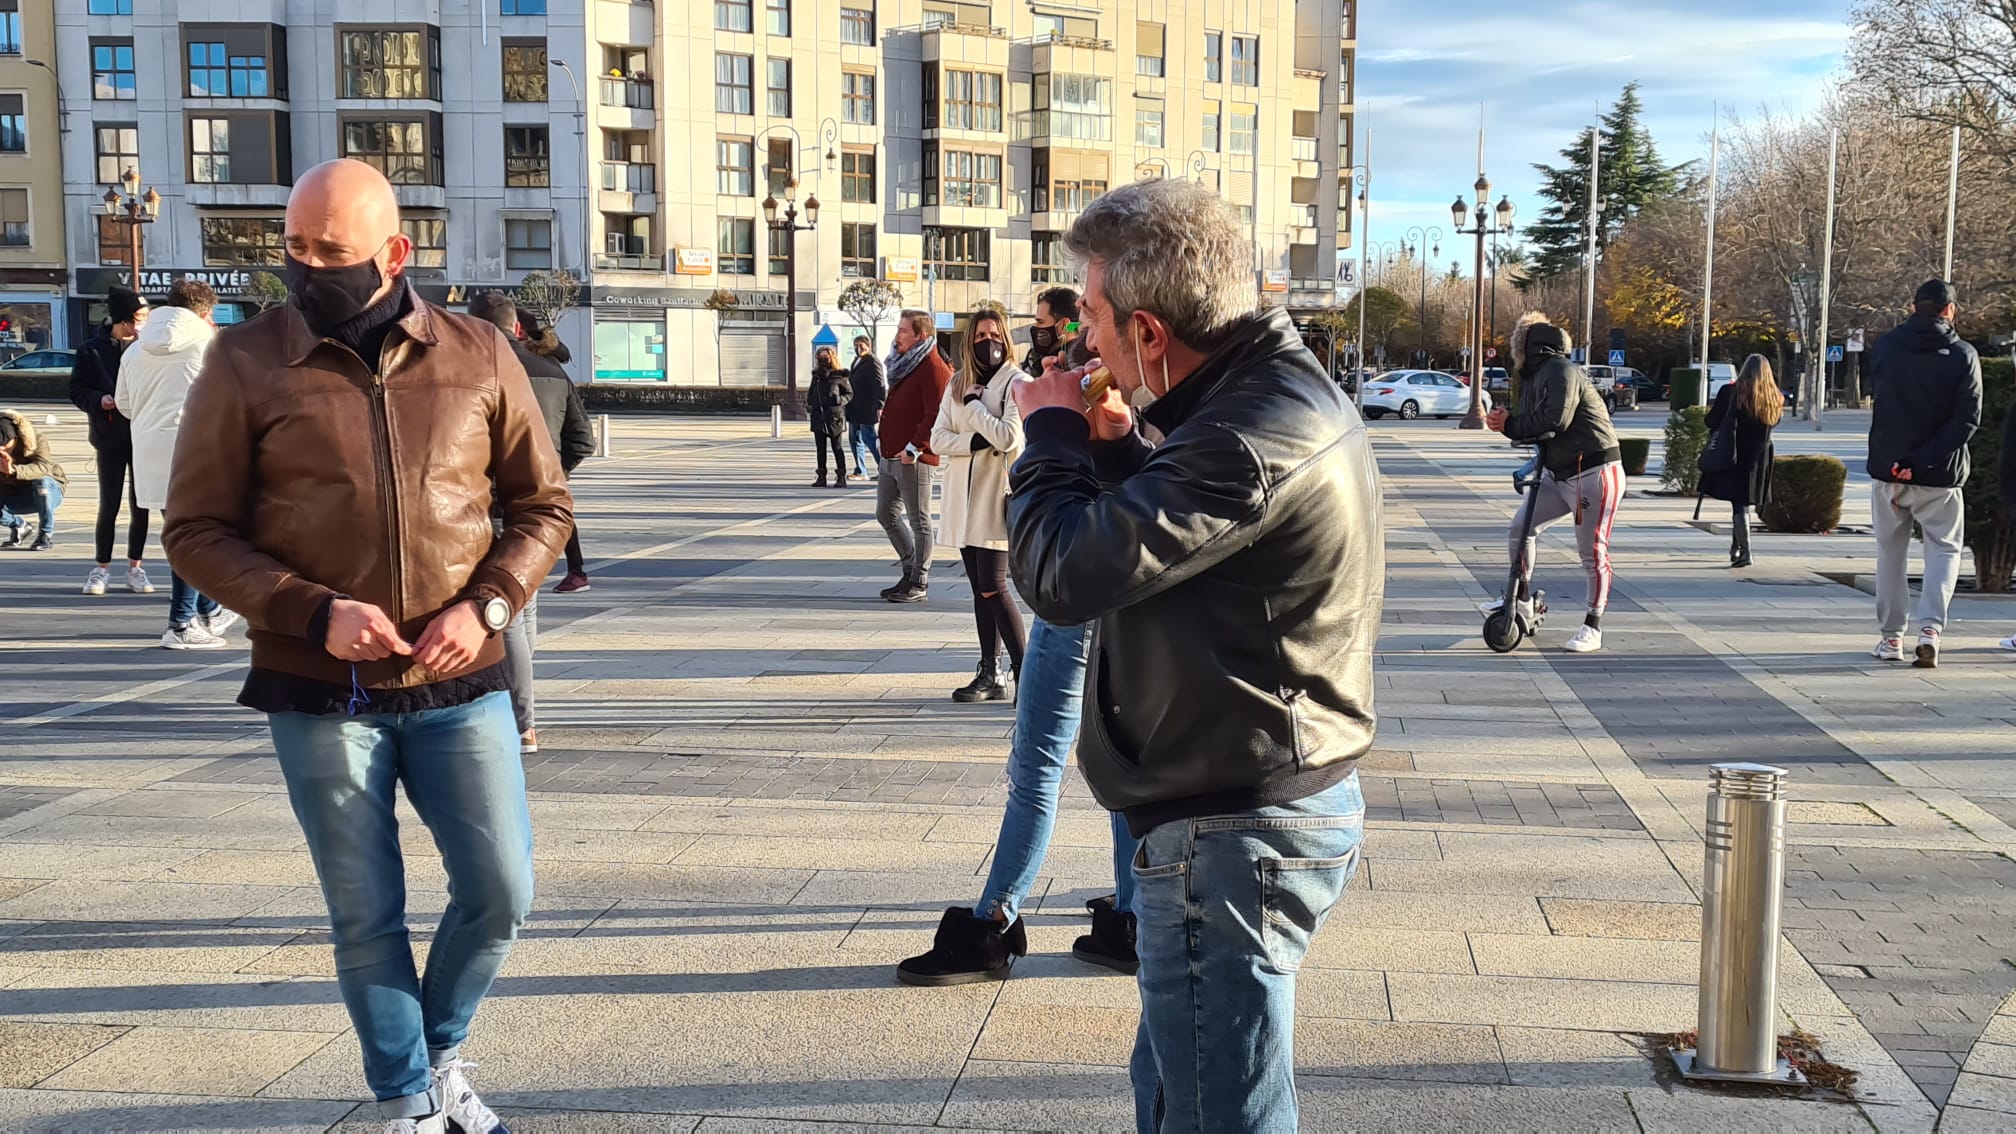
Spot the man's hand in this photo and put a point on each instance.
(1901, 473)
(359, 631)
(6, 462)
(1112, 419)
(107, 401)
(1054, 389)
(450, 643)
(1496, 419)
(909, 458)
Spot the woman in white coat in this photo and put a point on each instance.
(979, 434)
(154, 380)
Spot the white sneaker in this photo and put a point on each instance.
(459, 1103)
(1587, 640)
(1927, 655)
(138, 582)
(436, 1123)
(1888, 649)
(222, 622)
(191, 637)
(2008, 643)
(94, 583)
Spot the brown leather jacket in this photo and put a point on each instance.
(299, 476)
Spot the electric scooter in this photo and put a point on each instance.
(1515, 619)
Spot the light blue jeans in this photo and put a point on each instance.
(461, 771)
(867, 451)
(1226, 905)
(20, 499)
(1047, 709)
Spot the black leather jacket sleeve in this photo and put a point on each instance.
(1546, 408)
(1081, 549)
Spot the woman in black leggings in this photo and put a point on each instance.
(94, 381)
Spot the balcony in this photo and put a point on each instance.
(1059, 39)
(1302, 149)
(628, 188)
(1302, 216)
(626, 104)
(981, 30)
(628, 261)
(1061, 126)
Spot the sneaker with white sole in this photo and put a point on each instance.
(466, 1113)
(191, 637)
(1927, 655)
(94, 583)
(222, 622)
(2008, 643)
(138, 582)
(1888, 649)
(436, 1123)
(1587, 640)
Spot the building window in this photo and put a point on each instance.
(13, 125)
(430, 239)
(734, 90)
(780, 251)
(733, 16)
(230, 242)
(1245, 129)
(1148, 49)
(958, 253)
(972, 179)
(779, 16)
(524, 7)
(1066, 181)
(109, 7)
(778, 87)
(857, 250)
(118, 151)
(10, 34)
(407, 151)
(736, 255)
(1148, 126)
(1214, 57)
(115, 243)
(778, 165)
(626, 162)
(930, 170)
(973, 101)
(525, 70)
(527, 162)
(857, 97)
(735, 167)
(216, 72)
(1076, 107)
(1047, 262)
(210, 151)
(931, 105)
(14, 216)
(1212, 127)
(528, 244)
(857, 26)
(626, 235)
(857, 177)
(1246, 60)
(390, 62)
(112, 69)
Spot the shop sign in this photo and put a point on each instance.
(1275, 281)
(693, 262)
(227, 282)
(900, 269)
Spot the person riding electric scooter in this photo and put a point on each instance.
(1581, 467)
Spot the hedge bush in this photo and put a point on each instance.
(1686, 436)
(1686, 383)
(1637, 453)
(1805, 495)
(1991, 535)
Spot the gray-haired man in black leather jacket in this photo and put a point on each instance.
(1234, 574)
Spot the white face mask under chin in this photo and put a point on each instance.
(1143, 397)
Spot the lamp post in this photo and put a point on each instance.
(133, 210)
(1362, 177)
(1422, 239)
(63, 112)
(787, 223)
(587, 165)
(1196, 164)
(1482, 227)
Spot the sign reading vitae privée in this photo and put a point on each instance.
(154, 281)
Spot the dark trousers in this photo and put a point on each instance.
(577, 564)
(1739, 530)
(115, 472)
(995, 614)
(838, 447)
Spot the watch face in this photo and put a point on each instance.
(496, 614)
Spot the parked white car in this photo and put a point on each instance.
(1411, 393)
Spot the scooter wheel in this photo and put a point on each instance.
(1502, 632)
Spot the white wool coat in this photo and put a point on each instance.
(974, 512)
(155, 374)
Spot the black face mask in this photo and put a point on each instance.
(1043, 338)
(330, 297)
(990, 355)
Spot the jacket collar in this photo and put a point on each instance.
(1257, 338)
(301, 340)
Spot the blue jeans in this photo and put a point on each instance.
(867, 451)
(20, 499)
(185, 603)
(1047, 708)
(521, 638)
(461, 771)
(1226, 905)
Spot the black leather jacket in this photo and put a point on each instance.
(1235, 572)
(1560, 411)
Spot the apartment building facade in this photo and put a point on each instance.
(949, 145)
(31, 180)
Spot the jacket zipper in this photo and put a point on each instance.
(388, 493)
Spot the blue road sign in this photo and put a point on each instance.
(1616, 358)
(1834, 354)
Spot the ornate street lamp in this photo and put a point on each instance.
(786, 222)
(1482, 228)
(133, 209)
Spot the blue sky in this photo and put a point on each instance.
(1539, 69)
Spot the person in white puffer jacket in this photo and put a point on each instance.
(154, 381)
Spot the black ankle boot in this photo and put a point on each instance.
(967, 950)
(898, 585)
(985, 686)
(1111, 942)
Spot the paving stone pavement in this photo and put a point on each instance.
(753, 798)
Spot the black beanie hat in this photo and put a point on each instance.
(1934, 295)
(123, 303)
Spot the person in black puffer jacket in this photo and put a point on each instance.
(1582, 468)
(826, 401)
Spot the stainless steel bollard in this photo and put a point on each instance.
(776, 421)
(602, 436)
(1741, 906)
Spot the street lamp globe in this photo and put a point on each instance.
(791, 190)
(1459, 211)
(132, 180)
(1505, 211)
(812, 210)
(111, 200)
(1483, 188)
(153, 202)
(770, 210)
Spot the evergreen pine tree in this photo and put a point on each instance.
(1630, 176)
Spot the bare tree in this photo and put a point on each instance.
(548, 294)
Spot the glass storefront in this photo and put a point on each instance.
(27, 325)
(630, 351)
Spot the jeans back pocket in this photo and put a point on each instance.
(1296, 895)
